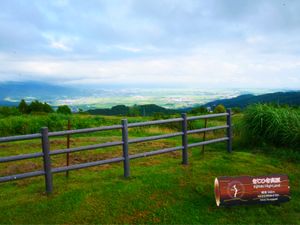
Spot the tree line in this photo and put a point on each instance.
(35, 107)
(40, 107)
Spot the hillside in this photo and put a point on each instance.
(289, 98)
(122, 110)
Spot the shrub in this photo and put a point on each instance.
(199, 110)
(8, 111)
(34, 107)
(23, 107)
(219, 109)
(28, 124)
(272, 124)
(63, 109)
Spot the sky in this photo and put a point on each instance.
(155, 43)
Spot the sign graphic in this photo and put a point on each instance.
(235, 189)
(252, 190)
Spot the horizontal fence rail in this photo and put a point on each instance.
(83, 148)
(46, 154)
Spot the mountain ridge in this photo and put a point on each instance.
(291, 98)
(20, 90)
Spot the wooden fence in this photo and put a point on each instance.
(48, 170)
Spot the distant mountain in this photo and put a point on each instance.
(290, 98)
(8, 103)
(10, 91)
(144, 110)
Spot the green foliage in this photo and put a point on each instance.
(47, 108)
(119, 110)
(291, 98)
(135, 110)
(37, 106)
(219, 109)
(81, 112)
(63, 109)
(199, 110)
(23, 107)
(272, 124)
(28, 124)
(236, 110)
(160, 116)
(115, 110)
(151, 109)
(8, 111)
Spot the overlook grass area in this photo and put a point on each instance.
(160, 189)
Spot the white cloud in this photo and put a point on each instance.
(255, 39)
(128, 48)
(213, 68)
(60, 45)
(220, 43)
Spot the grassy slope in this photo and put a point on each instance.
(160, 189)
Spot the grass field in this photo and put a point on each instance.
(160, 189)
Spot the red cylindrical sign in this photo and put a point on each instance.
(251, 190)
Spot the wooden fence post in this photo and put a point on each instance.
(125, 147)
(47, 160)
(184, 140)
(204, 134)
(68, 146)
(229, 131)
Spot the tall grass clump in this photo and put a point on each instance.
(263, 123)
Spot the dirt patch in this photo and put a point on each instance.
(182, 183)
(174, 154)
(83, 158)
(154, 196)
(22, 168)
(101, 168)
(59, 142)
(5, 146)
(149, 162)
(159, 199)
(136, 217)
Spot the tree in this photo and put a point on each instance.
(219, 109)
(134, 111)
(37, 106)
(23, 107)
(80, 111)
(47, 108)
(119, 110)
(200, 110)
(63, 109)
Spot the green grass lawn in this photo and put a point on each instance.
(160, 189)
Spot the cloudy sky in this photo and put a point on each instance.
(188, 43)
